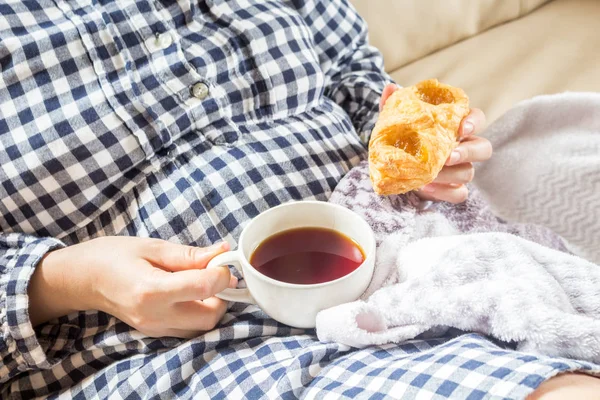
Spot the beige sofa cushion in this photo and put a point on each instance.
(406, 30)
(556, 48)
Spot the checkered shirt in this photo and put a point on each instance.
(182, 120)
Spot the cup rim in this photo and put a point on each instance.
(368, 257)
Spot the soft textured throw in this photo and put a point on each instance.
(546, 167)
(465, 268)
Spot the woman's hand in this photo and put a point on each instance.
(157, 287)
(450, 183)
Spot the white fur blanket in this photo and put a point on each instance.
(465, 268)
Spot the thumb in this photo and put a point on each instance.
(195, 284)
(387, 92)
(176, 257)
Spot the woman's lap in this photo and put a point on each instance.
(253, 356)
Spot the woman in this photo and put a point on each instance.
(137, 139)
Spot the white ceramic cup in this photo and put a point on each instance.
(297, 305)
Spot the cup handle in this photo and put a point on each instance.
(237, 295)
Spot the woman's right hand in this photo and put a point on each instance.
(157, 287)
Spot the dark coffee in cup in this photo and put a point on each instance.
(299, 258)
(307, 256)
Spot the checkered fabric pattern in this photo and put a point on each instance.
(102, 133)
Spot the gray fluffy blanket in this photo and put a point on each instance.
(465, 268)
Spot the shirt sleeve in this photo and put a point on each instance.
(354, 71)
(19, 348)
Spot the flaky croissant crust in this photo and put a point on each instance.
(414, 135)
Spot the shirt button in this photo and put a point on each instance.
(163, 40)
(159, 42)
(200, 90)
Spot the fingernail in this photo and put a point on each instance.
(454, 157)
(217, 246)
(468, 128)
(233, 282)
(428, 189)
(202, 253)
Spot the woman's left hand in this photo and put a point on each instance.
(450, 183)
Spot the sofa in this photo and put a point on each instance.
(499, 51)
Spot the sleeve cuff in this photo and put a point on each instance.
(359, 95)
(21, 350)
(366, 117)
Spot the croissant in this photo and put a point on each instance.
(414, 135)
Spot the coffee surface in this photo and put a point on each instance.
(307, 256)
